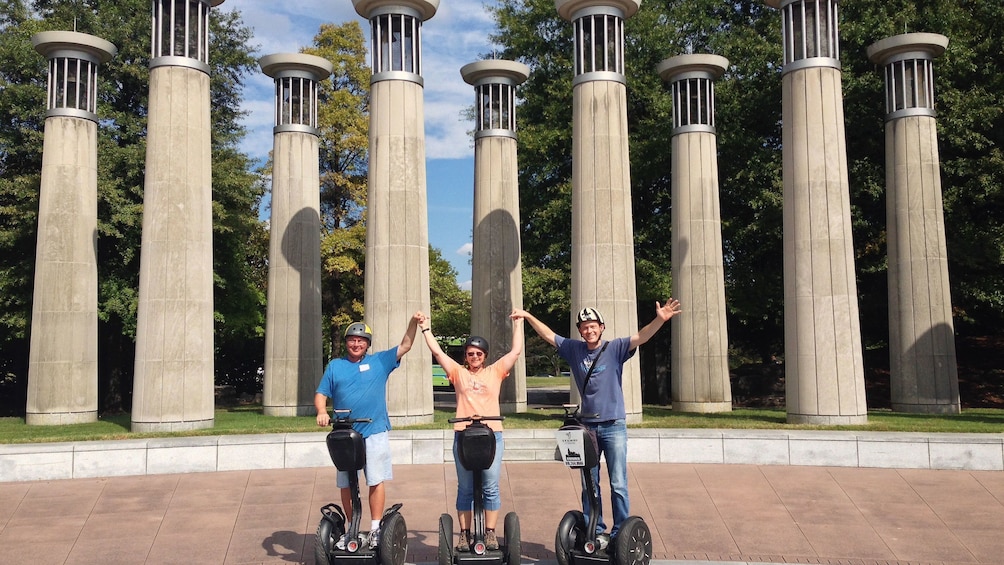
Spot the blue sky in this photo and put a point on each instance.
(455, 36)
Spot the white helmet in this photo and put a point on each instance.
(588, 315)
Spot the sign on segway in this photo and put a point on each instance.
(571, 446)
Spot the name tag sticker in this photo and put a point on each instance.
(364, 367)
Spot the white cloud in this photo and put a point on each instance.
(456, 35)
(466, 285)
(465, 250)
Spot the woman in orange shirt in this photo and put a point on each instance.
(477, 387)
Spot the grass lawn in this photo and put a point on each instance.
(250, 420)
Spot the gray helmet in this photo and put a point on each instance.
(588, 315)
(477, 341)
(358, 329)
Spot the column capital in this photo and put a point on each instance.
(478, 72)
(568, 8)
(282, 64)
(425, 8)
(711, 65)
(913, 45)
(73, 44)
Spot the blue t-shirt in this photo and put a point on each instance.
(362, 388)
(604, 395)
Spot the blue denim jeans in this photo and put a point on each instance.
(489, 479)
(611, 438)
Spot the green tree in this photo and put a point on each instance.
(123, 93)
(451, 306)
(748, 99)
(343, 121)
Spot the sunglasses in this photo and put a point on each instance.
(475, 354)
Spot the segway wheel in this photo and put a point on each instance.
(633, 545)
(393, 548)
(512, 548)
(326, 537)
(445, 539)
(570, 529)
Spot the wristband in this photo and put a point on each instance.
(425, 329)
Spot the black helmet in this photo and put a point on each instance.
(358, 329)
(588, 315)
(477, 341)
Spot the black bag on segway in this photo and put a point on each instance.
(477, 447)
(347, 449)
(577, 446)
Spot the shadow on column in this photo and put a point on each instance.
(301, 248)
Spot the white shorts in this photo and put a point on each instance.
(378, 466)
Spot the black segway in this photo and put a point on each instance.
(348, 452)
(476, 450)
(576, 541)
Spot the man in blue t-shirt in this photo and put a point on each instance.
(603, 396)
(358, 382)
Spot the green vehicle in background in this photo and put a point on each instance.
(454, 347)
(439, 379)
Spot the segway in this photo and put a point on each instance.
(576, 542)
(348, 452)
(476, 451)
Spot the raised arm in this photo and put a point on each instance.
(441, 357)
(409, 336)
(662, 314)
(545, 333)
(507, 361)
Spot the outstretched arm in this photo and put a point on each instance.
(441, 357)
(662, 314)
(409, 336)
(546, 333)
(507, 361)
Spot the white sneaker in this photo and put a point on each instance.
(342, 541)
(374, 538)
(602, 542)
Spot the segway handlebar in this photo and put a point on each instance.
(475, 418)
(341, 416)
(572, 412)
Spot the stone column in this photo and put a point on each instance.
(397, 229)
(63, 356)
(824, 373)
(497, 285)
(173, 387)
(293, 354)
(603, 266)
(700, 376)
(923, 371)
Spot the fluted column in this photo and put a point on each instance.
(824, 372)
(173, 382)
(63, 356)
(497, 285)
(397, 230)
(924, 376)
(603, 265)
(700, 376)
(293, 354)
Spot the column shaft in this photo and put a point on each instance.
(174, 335)
(497, 285)
(603, 266)
(700, 336)
(293, 364)
(924, 373)
(62, 364)
(824, 373)
(397, 241)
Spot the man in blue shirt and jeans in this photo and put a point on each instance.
(603, 395)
